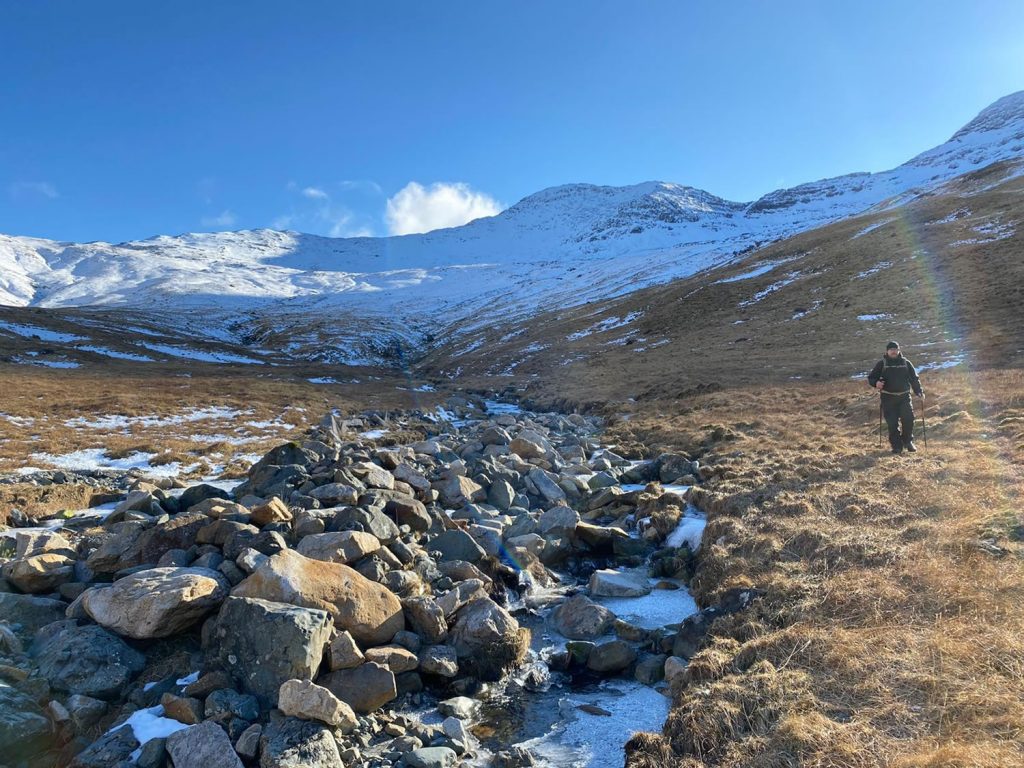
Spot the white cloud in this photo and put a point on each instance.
(320, 214)
(32, 189)
(416, 208)
(225, 219)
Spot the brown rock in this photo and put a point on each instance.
(274, 511)
(365, 688)
(368, 610)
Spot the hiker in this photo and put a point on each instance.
(894, 377)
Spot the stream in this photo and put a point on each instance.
(540, 709)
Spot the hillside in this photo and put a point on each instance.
(942, 274)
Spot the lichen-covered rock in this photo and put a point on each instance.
(156, 603)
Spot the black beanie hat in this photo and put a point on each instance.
(892, 345)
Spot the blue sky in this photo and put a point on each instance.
(122, 120)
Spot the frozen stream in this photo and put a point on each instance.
(547, 718)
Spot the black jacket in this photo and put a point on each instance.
(898, 374)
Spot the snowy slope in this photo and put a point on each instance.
(352, 298)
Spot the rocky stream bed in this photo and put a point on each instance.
(508, 591)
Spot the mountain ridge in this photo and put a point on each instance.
(409, 288)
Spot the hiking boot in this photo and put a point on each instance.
(897, 451)
(911, 447)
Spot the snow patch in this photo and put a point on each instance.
(43, 334)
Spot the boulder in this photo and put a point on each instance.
(610, 583)
(205, 745)
(345, 654)
(456, 490)
(107, 557)
(501, 494)
(372, 475)
(114, 748)
(39, 573)
(184, 709)
(411, 512)
(335, 494)
(25, 730)
(262, 644)
(395, 657)
(340, 547)
(558, 521)
(426, 618)
(431, 757)
(273, 511)
(294, 743)
(367, 520)
(87, 660)
(180, 532)
(225, 704)
(527, 449)
(29, 543)
(613, 656)
(368, 610)
(197, 493)
(308, 701)
(158, 602)
(456, 544)
(407, 474)
(487, 639)
(440, 660)
(546, 485)
(364, 688)
(579, 618)
(674, 667)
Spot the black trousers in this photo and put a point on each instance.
(899, 412)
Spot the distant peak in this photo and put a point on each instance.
(999, 114)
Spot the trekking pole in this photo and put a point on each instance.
(879, 420)
(924, 421)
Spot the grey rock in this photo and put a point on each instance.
(547, 487)
(431, 757)
(88, 660)
(440, 660)
(487, 639)
(226, 703)
(293, 743)
(29, 613)
(426, 618)
(111, 749)
(158, 602)
(202, 746)
(580, 618)
(261, 644)
(457, 545)
(24, 728)
(613, 656)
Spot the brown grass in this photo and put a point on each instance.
(43, 401)
(891, 631)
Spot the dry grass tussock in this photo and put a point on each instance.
(890, 632)
(58, 412)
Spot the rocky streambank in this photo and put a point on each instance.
(352, 603)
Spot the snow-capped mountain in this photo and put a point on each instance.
(346, 299)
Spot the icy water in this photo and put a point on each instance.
(541, 710)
